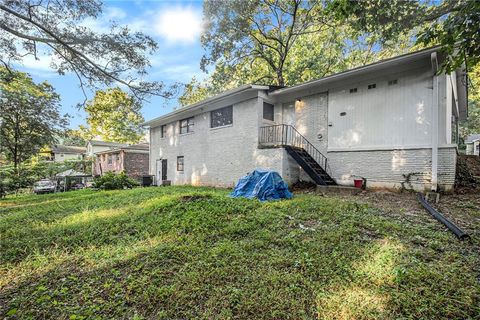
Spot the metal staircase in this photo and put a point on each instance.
(312, 161)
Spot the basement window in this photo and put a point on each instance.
(268, 111)
(180, 165)
(353, 90)
(372, 86)
(392, 82)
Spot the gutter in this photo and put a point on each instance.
(219, 97)
(434, 60)
(347, 73)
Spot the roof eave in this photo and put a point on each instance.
(218, 97)
(340, 75)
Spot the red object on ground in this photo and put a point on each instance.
(358, 183)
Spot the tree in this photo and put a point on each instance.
(31, 27)
(71, 137)
(319, 50)
(453, 24)
(265, 30)
(29, 116)
(472, 124)
(113, 115)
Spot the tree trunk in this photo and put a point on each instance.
(280, 80)
(15, 148)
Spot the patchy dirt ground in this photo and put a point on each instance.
(463, 209)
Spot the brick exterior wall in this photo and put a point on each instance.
(390, 168)
(382, 168)
(135, 164)
(101, 164)
(214, 156)
(220, 156)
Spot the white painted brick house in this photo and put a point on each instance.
(393, 122)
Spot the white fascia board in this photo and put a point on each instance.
(364, 69)
(224, 95)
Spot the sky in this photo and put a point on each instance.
(175, 25)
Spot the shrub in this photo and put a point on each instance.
(112, 181)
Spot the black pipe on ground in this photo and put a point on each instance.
(437, 215)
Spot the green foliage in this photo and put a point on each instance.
(452, 24)
(71, 137)
(193, 92)
(195, 253)
(28, 172)
(246, 31)
(318, 47)
(459, 34)
(118, 55)
(112, 181)
(472, 124)
(113, 115)
(29, 115)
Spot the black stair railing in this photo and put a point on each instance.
(282, 135)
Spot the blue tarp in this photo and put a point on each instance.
(262, 184)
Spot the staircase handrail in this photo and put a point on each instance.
(289, 136)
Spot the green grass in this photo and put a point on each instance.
(185, 252)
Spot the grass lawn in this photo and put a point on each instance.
(185, 252)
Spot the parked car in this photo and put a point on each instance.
(43, 186)
(77, 186)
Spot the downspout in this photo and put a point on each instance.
(434, 61)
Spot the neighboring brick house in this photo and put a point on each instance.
(394, 122)
(132, 159)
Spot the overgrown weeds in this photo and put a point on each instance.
(184, 252)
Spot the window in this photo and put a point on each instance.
(109, 159)
(221, 117)
(392, 82)
(186, 125)
(372, 86)
(180, 163)
(118, 158)
(268, 111)
(163, 131)
(353, 90)
(61, 155)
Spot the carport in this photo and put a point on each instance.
(64, 179)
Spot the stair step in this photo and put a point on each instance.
(310, 165)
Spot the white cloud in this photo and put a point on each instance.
(115, 13)
(179, 25)
(42, 64)
(40, 67)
